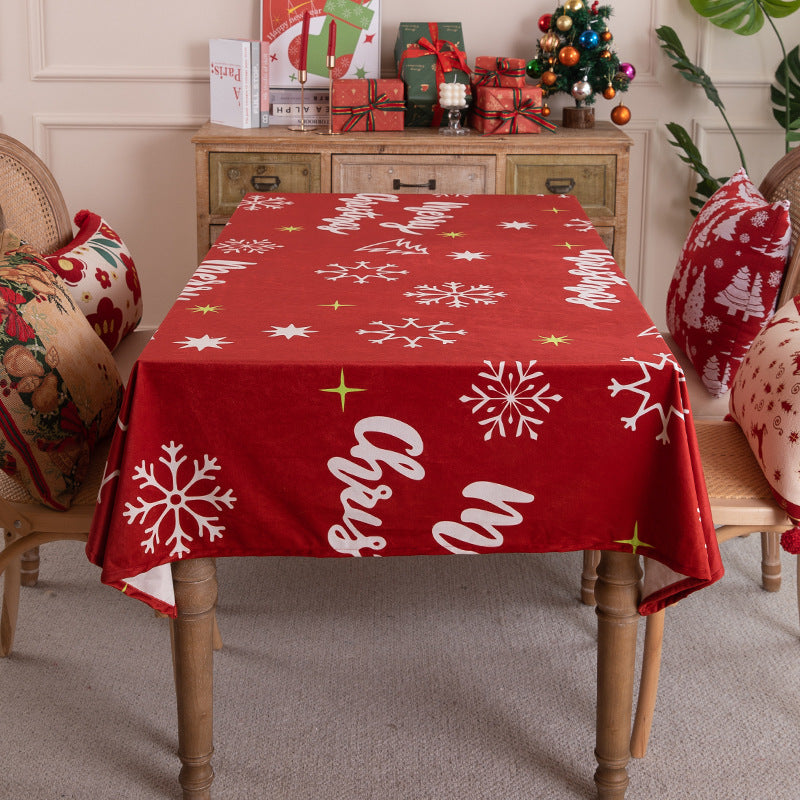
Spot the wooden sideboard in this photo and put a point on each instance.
(591, 164)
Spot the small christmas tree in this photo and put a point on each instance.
(575, 55)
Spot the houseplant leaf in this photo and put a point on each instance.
(707, 184)
(744, 17)
(785, 92)
(673, 47)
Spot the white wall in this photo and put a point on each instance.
(109, 97)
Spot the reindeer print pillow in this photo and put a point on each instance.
(765, 401)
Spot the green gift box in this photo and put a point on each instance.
(427, 53)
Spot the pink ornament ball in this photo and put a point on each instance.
(628, 70)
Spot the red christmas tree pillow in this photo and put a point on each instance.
(101, 277)
(725, 286)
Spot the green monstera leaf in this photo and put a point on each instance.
(744, 17)
(785, 95)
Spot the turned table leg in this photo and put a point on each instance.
(617, 596)
(195, 582)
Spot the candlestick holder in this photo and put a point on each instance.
(302, 77)
(330, 63)
(454, 126)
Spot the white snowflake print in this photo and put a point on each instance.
(467, 255)
(247, 246)
(580, 225)
(759, 219)
(663, 361)
(178, 501)
(455, 295)
(202, 342)
(362, 272)
(515, 225)
(511, 397)
(711, 323)
(259, 202)
(775, 278)
(412, 333)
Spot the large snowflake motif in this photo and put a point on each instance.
(247, 246)
(455, 295)
(178, 500)
(258, 202)
(362, 272)
(662, 361)
(511, 396)
(414, 333)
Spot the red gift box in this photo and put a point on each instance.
(501, 109)
(493, 71)
(367, 105)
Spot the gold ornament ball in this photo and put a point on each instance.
(605, 54)
(569, 56)
(621, 115)
(606, 36)
(564, 23)
(548, 78)
(549, 42)
(573, 5)
(609, 93)
(545, 110)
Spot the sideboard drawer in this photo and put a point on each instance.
(445, 174)
(591, 178)
(233, 175)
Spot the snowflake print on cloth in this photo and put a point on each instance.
(259, 202)
(177, 502)
(412, 333)
(455, 295)
(247, 246)
(511, 397)
(580, 225)
(362, 272)
(663, 361)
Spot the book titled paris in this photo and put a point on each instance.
(235, 76)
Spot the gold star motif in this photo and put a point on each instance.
(555, 340)
(452, 234)
(342, 389)
(635, 542)
(567, 245)
(291, 228)
(336, 305)
(555, 210)
(206, 309)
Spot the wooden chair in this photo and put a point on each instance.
(741, 499)
(32, 205)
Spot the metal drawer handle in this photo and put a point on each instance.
(265, 183)
(560, 185)
(397, 184)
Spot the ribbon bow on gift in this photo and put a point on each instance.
(491, 77)
(375, 102)
(448, 56)
(522, 109)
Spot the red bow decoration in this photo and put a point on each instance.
(375, 102)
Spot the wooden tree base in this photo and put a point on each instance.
(578, 117)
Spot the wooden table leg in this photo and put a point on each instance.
(195, 582)
(617, 595)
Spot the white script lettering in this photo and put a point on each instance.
(207, 275)
(426, 217)
(493, 493)
(346, 538)
(598, 272)
(355, 209)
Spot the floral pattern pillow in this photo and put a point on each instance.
(726, 284)
(101, 277)
(60, 389)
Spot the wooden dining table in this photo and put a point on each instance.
(372, 375)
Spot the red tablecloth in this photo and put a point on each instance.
(377, 375)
